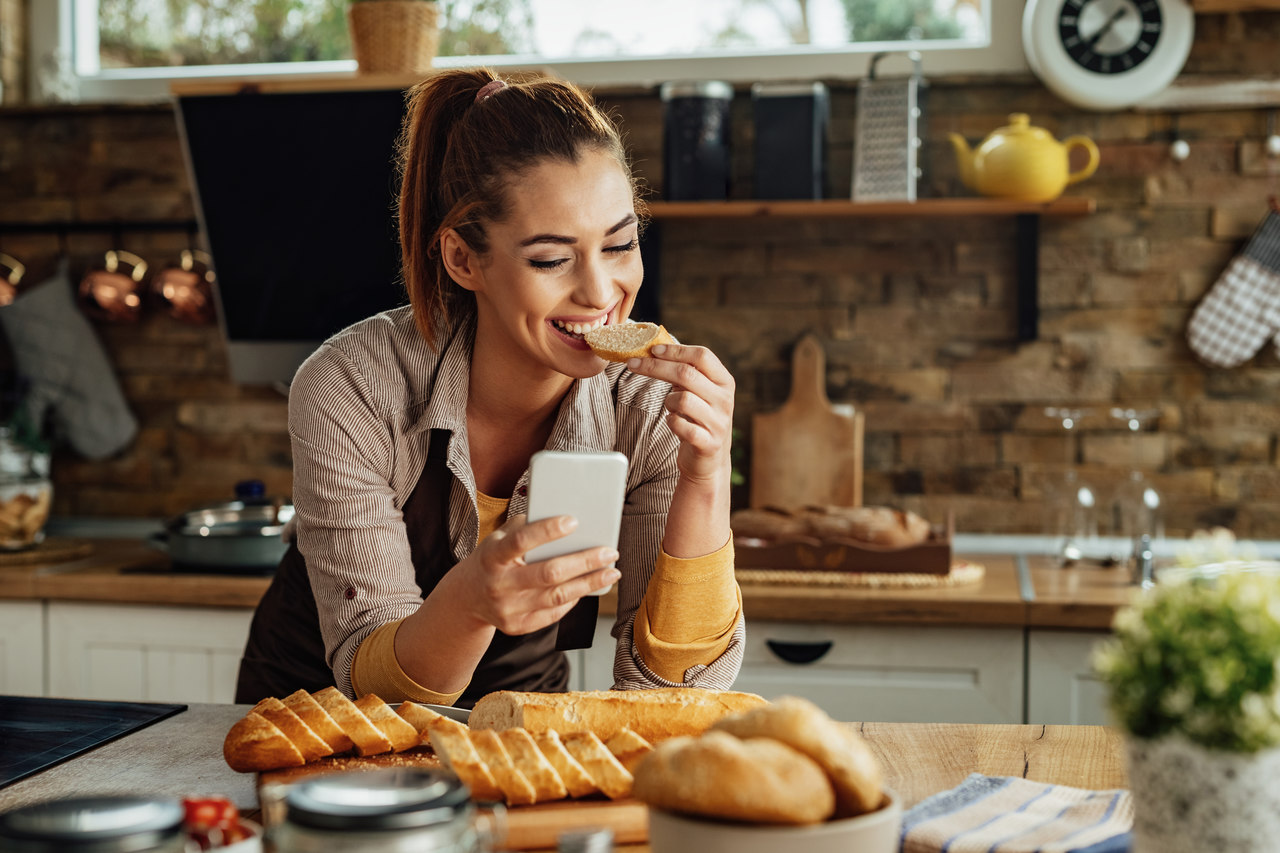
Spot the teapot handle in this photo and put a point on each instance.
(1088, 168)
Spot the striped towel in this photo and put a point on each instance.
(1005, 814)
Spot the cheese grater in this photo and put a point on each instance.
(889, 134)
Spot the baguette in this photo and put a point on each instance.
(607, 772)
(529, 760)
(306, 707)
(628, 747)
(654, 715)
(452, 744)
(368, 738)
(310, 744)
(575, 777)
(420, 717)
(621, 341)
(399, 733)
(255, 743)
(515, 787)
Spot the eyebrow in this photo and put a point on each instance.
(560, 238)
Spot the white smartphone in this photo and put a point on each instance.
(590, 486)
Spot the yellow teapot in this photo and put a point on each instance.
(1022, 162)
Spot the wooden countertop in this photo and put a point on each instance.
(1038, 594)
(183, 755)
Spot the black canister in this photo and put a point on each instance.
(695, 141)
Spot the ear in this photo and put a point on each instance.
(460, 260)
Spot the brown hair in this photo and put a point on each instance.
(456, 155)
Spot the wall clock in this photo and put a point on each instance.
(1107, 54)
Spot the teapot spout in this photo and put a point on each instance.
(964, 159)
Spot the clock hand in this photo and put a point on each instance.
(1106, 28)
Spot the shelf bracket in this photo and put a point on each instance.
(1028, 276)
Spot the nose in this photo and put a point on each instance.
(595, 287)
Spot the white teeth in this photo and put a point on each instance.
(579, 328)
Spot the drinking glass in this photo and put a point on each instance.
(1138, 505)
(1072, 502)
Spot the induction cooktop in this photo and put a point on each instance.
(37, 733)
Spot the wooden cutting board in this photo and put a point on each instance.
(536, 827)
(809, 452)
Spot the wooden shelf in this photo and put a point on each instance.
(939, 207)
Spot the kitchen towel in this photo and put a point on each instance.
(1006, 814)
(72, 383)
(1242, 309)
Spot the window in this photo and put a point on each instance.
(125, 49)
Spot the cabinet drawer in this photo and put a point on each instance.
(889, 673)
(22, 648)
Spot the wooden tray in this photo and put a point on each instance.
(802, 553)
(533, 827)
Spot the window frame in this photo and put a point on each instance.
(52, 29)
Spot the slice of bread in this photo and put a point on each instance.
(576, 779)
(301, 703)
(400, 733)
(418, 716)
(530, 761)
(515, 787)
(452, 745)
(622, 341)
(310, 744)
(628, 747)
(368, 738)
(255, 743)
(606, 772)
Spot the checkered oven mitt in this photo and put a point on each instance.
(1242, 309)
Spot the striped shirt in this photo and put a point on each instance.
(361, 414)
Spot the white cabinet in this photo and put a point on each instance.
(1061, 686)
(145, 653)
(22, 648)
(889, 673)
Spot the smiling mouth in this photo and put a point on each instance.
(577, 330)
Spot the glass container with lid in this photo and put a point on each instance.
(26, 493)
(104, 824)
(383, 811)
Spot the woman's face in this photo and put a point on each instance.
(565, 260)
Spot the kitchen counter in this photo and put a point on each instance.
(1016, 591)
(183, 755)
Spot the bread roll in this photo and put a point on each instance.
(654, 715)
(622, 341)
(718, 775)
(854, 771)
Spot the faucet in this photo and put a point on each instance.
(1143, 562)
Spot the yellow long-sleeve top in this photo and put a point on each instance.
(687, 618)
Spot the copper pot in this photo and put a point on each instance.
(110, 294)
(185, 290)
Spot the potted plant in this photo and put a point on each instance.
(394, 36)
(1193, 672)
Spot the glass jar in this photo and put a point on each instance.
(26, 493)
(106, 824)
(396, 810)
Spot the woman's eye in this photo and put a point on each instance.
(547, 265)
(625, 247)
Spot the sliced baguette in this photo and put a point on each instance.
(576, 779)
(418, 716)
(606, 772)
(622, 341)
(310, 744)
(301, 703)
(529, 760)
(515, 787)
(452, 744)
(628, 747)
(256, 743)
(368, 738)
(392, 725)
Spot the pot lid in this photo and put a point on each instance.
(235, 518)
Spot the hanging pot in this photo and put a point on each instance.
(110, 294)
(185, 290)
(237, 537)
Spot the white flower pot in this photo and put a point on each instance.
(1189, 799)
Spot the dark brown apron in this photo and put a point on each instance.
(285, 651)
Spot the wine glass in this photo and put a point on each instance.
(1138, 507)
(1072, 503)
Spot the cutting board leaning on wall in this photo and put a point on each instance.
(809, 452)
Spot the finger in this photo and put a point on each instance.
(694, 435)
(518, 537)
(693, 408)
(558, 570)
(571, 590)
(682, 375)
(703, 359)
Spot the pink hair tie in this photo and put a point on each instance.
(488, 90)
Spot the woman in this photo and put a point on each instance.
(412, 433)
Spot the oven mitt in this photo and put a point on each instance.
(1242, 309)
(71, 381)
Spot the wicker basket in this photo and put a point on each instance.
(394, 36)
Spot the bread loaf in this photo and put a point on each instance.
(875, 525)
(622, 341)
(654, 715)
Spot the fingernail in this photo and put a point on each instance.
(613, 576)
(609, 556)
(633, 363)
(568, 522)
(658, 350)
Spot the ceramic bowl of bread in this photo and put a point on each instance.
(782, 776)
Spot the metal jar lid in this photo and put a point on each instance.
(393, 799)
(104, 824)
(716, 89)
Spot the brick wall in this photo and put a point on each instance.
(916, 315)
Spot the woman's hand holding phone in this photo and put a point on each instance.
(519, 597)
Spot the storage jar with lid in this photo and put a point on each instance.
(103, 824)
(26, 493)
(396, 810)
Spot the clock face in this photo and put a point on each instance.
(1110, 36)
